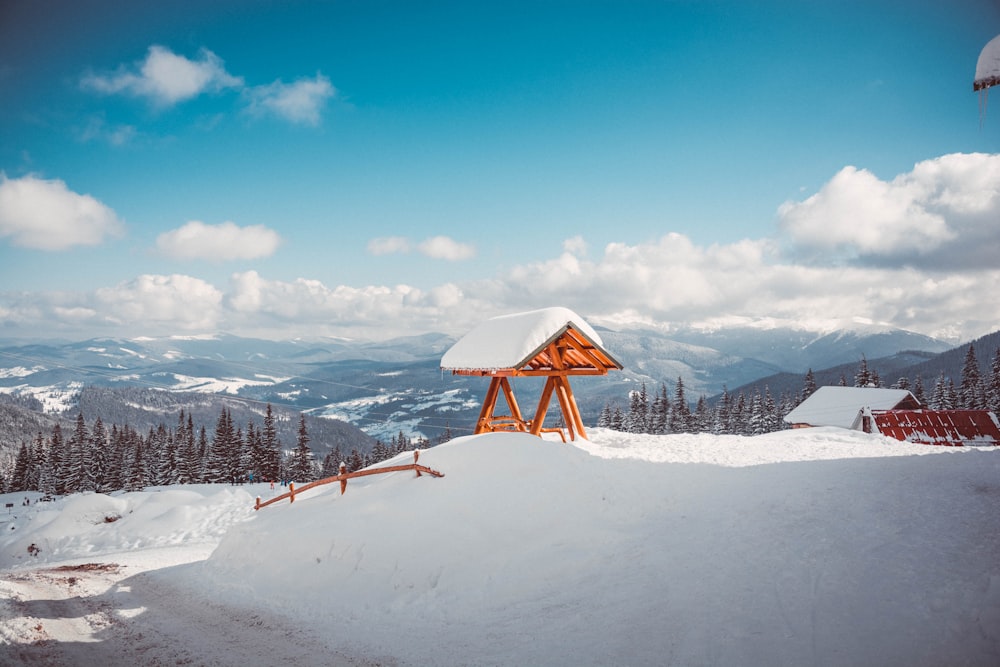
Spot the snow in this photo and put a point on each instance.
(508, 340)
(815, 546)
(839, 406)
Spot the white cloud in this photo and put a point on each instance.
(435, 247)
(941, 214)
(670, 281)
(154, 302)
(223, 242)
(443, 247)
(47, 215)
(298, 102)
(166, 78)
(389, 245)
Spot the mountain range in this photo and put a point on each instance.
(353, 392)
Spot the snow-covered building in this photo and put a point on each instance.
(554, 343)
(839, 406)
(955, 428)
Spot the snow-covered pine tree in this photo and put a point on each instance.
(808, 385)
(604, 418)
(77, 477)
(863, 378)
(723, 409)
(680, 416)
(918, 390)
(22, 470)
(221, 449)
(660, 416)
(993, 387)
(618, 419)
(272, 446)
(702, 416)
(972, 395)
(100, 455)
(301, 466)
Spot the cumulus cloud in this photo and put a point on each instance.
(298, 102)
(166, 78)
(442, 247)
(175, 301)
(435, 247)
(670, 281)
(389, 245)
(47, 215)
(942, 214)
(223, 242)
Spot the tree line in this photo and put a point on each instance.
(104, 459)
(741, 414)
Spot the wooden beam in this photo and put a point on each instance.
(543, 406)
(515, 411)
(489, 404)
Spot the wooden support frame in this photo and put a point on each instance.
(556, 383)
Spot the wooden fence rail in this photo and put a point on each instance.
(344, 476)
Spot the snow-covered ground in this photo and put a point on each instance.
(810, 547)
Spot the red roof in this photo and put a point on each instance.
(939, 427)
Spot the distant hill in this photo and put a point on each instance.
(395, 386)
(909, 364)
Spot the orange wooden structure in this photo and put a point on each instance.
(566, 350)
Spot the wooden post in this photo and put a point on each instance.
(291, 492)
(515, 410)
(543, 406)
(416, 455)
(484, 424)
(257, 505)
(343, 477)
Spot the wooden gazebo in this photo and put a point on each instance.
(554, 343)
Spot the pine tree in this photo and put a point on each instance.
(993, 389)
(918, 391)
(808, 385)
(99, 457)
(618, 419)
(301, 468)
(680, 417)
(660, 416)
(757, 424)
(863, 378)
(217, 467)
(702, 419)
(22, 468)
(723, 412)
(971, 395)
(604, 419)
(78, 465)
(272, 447)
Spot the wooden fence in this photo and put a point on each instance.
(344, 476)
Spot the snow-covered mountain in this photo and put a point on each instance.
(394, 386)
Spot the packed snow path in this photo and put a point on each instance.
(118, 614)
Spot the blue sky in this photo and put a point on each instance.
(378, 168)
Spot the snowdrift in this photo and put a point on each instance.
(531, 552)
(822, 546)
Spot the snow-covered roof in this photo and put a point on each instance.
(839, 406)
(510, 341)
(988, 65)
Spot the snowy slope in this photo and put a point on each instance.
(822, 547)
